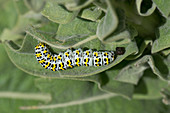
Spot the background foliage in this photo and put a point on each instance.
(136, 82)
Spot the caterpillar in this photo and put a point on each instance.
(70, 59)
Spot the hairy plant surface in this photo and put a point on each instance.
(136, 82)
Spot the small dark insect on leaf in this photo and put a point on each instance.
(120, 50)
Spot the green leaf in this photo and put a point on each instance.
(9, 35)
(7, 8)
(67, 1)
(158, 66)
(20, 6)
(107, 84)
(163, 40)
(58, 88)
(140, 26)
(11, 80)
(73, 5)
(108, 24)
(101, 4)
(24, 59)
(132, 72)
(68, 35)
(166, 96)
(149, 86)
(166, 52)
(22, 23)
(46, 32)
(111, 105)
(13, 105)
(113, 27)
(35, 5)
(142, 46)
(163, 6)
(17, 87)
(29, 64)
(167, 62)
(145, 25)
(85, 97)
(148, 12)
(57, 13)
(91, 13)
(161, 67)
(78, 5)
(76, 31)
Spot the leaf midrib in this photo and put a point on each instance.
(71, 103)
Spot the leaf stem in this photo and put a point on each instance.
(72, 7)
(27, 96)
(71, 103)
(63, 47)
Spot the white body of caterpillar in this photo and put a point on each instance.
(70, 58)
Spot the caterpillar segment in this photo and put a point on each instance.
(54, 66)
(55, 58)
(68, 54)
(107, 57)
(78, 53)
(97, 58)
(41, 61)
(61, 66)
(78, 59)
(87, 58)
(112, 56)
(39, 57)
(47, 65)
(69, 62)
(69, 58)
(41, 47)
(60, 57)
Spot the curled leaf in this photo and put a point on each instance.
(148, 12)
(24, 59)
(163, 41)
